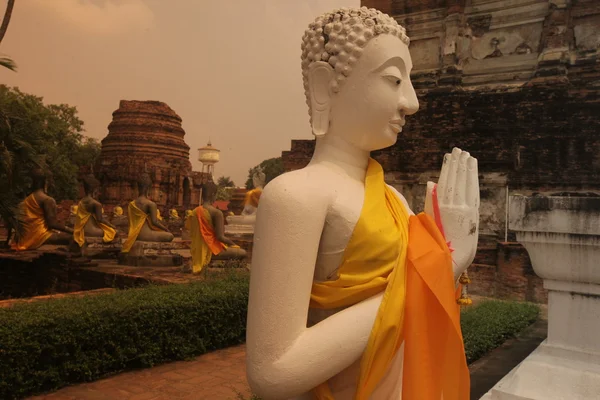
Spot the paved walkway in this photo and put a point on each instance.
(220, 375)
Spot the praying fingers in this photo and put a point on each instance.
(457, 195)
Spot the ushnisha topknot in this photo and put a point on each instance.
(338, 37)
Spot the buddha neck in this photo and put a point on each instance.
(342, 156)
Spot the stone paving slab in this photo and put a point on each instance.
(220, 375)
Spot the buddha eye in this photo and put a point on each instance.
(394, 79)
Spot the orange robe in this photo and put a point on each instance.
(204, 241)
(35, 230)
(407, 258)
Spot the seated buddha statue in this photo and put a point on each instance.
(144, 222)
(207, 232)
(244, 223)
(352, 295)
(90, 221)
(37, 217)
(253, 196)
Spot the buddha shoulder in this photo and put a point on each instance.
(299, 188)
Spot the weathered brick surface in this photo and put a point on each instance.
(516, 279)
(147, 136)
(532, 126)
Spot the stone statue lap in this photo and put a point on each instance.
(37, 215)
(90, 221)
(335, 224)
(206, 227)
(144, 224)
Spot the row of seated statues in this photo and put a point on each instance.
(40, 226)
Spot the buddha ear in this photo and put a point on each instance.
(320, 74)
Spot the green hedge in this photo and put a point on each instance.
(50, 344)
(487, 325)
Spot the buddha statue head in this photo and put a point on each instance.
(39, 179)
(91, 185)
(356, 72)
(173, 214)
(209, 192)
(74, 209)
(144, 183)
(189, 213)
(118, 211)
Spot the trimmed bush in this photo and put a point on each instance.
(489, 324)
(49, 344)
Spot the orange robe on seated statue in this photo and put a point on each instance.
(407, 258)
(35, 230)
(204, 241)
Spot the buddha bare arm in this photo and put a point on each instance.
(218, 222)
(153, 217)
(49, 206)
(284, 357)
(99, 216)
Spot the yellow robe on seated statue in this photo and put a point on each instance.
(252, 197)
(35, 230)
(137, 219)
(407, 258)
(82, 217)
(204, 241)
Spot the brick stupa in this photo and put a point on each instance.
(147, 136)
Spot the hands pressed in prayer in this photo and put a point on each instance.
(457, 193)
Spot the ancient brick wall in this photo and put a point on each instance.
(146, 136)
(516, 83)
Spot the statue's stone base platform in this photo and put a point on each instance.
(245, 241)
(153, 254)
(95, 247)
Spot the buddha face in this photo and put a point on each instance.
(356, 67)
(371, 107)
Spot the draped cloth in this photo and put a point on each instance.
(35, 229)
(204, 241)
(82, 218)
(137, 219)
(408, 260)
(252, 197)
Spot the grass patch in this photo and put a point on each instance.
(489, 324)
(50, 344)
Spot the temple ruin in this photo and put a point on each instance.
(147, 136)
(517, 84)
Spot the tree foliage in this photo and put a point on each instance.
(225, 181)
(272, 167)
(34, 134)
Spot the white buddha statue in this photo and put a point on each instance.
(352, 296)
(244, 223)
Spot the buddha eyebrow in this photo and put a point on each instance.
(394, 61)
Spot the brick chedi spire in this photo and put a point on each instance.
(144, 136)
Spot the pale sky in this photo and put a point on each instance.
(229, 68)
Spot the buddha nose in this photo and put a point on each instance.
(408, 103)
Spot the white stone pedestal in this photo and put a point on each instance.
(562, 237)
(240, 224)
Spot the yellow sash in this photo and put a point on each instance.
(373, 261)
(35, 230)
(382, 257)
(82, 217)
(137, 219)
(252, 197)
